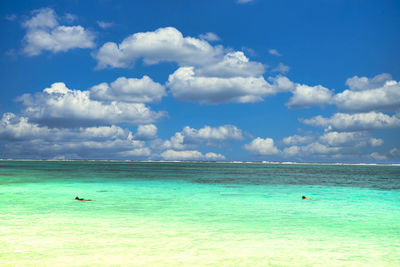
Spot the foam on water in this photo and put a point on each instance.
(198, 214)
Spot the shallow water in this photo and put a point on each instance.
(198, 214)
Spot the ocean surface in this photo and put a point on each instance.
(198, 214)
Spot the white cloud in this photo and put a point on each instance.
(378, 156)
(209, 36)
(169, 45)
(60, 106)
(13, 127)
(375, 142)
(282, 83)
(364, 83)
(355, 122)
(260, 146)
(27, 139)
(136, 152)
(274, 52)
(207, 74)
(320, 149)
(44, 33)
(42, 18)
(291, 151)
(146, 132)
(175, 142)
(282, 68)
(186, 86)
(133, 90)
(211, 134)
(162, 45)
(296, 140)
(233, 64)
(392, 154)
(353, 139)
(307, 96)
(330, 145)
(190, 155)
(104, 24)
(365, 94)
(190, 137)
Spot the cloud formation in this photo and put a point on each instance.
(26, 139)
(308, 96)
(45, 33)
(190, 155)
(262, 147)
(187, 86)
(146, 132)
(349, 139)
(233, 64)
(378, 93)
(210, 36)
(162, 45)
(63, 107)
(355, 122)
(190, 137)
(132, 90)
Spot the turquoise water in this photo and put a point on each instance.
(198, 214)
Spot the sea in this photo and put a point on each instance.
(198, 214)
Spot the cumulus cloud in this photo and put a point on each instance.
(330, 145)
(281, 83)
(162, 45)
(307, 96)
(60, 106)
(394, 153)
(27, 139)
(296, 140)
(175, 142)
(13, 127)
(378, 93)
(133, 90)
(211, 134)
(45, 33)
(209, 36)
(311, 150)
(146, 132)
(233, 64)
(190, 155)
(364, 83)
(260, 146)
(169, 45)
(355, 122)
(186, 86)
(207, 73)
(353, 139)
(190, 137)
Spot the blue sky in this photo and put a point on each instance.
(303, 81)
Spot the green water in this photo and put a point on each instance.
(198, 214)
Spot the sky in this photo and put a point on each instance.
(227, 80)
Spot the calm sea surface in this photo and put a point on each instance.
(198, 214)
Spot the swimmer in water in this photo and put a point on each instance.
(82, 199)
(306, 198)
